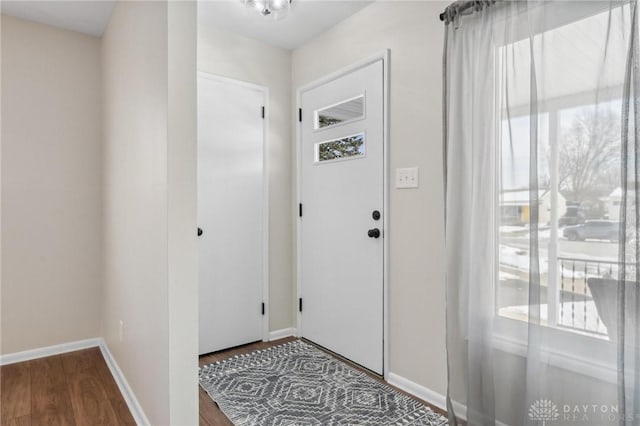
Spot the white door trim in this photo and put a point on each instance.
(265, 191)
(384, 56)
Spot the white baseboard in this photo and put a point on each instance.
(432, 397)
(419, 391)
(127, 393)
(125, 389)
(49, 351)
(281, 334)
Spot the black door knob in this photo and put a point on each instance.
(200, 232)
(374, 233)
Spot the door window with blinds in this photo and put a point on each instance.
(343, 112)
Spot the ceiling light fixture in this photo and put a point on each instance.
(276, 9)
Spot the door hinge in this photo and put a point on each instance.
(262, 308)
(300, 209)
(300, 304)
(262, 112)
(300, 115)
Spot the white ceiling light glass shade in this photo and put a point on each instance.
(275, 9)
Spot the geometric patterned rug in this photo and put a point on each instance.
(298, 384)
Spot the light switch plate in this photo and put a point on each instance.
(407, 177)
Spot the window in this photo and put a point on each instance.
(340, 149)
(340, 113)
(515, 209)
(577, 193)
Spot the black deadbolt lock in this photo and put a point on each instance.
(375, 215)
(200, 232)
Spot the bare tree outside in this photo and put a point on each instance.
(589, 158)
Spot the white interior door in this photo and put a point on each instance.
(230, 212)
(342, 250)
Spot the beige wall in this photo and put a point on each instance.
(226, 54)
(135, 171)
(149, 215)
(99, 196)
(51, 186)
(413, 34)
(182, 211)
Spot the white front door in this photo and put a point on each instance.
(342, 196)
(230, 212)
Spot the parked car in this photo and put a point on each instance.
(595, 229)
(573, 216)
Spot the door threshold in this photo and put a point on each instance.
(345, 360)
(228, 349)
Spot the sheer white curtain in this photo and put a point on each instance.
(542, 173)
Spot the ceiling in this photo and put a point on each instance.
(85, 16)
(306, 19)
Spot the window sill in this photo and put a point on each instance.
(567, 350)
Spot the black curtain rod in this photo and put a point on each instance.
(463, 7)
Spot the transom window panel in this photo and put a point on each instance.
(340, 113)
(349, 147)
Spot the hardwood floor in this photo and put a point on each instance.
(75, 388)
(210, 414)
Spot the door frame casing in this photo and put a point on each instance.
(384, 56)
(265, 189)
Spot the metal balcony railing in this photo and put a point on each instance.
(577, 310)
